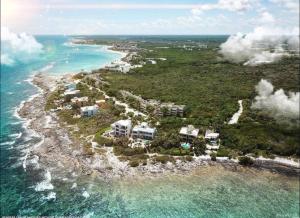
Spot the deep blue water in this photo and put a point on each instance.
(59, 56)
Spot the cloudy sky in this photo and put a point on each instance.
(147, 16)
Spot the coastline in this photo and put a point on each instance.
(61, 155)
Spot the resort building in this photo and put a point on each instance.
(83, 101)
(89, 110)
(70, 86)
(121, 128)
(211, 136)
(189, 133)
(143, 131)
(71, 94)
(170, 109)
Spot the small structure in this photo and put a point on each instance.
(89, 110)
(212, 136)
(121, 128)
(71, 94)
(83, 101)
(189, 133)
(143, 131)
(99, 102)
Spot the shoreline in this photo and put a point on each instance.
(57, 148)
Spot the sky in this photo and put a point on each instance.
(144, 17)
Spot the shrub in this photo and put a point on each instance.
(103, 141)
(189, 158)
(164, 159)
(246, 161)
(134, 163)
(213, 156)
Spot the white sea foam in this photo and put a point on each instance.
(91, 214)
(74, 185)
(25, 159)
(50, 196)
(45, 184)
(7, 143)
(85, 194)
(16, 135)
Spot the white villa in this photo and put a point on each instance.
(211, 136)
(71, 94)
(83, 101)
(89, 110)
(188, 133)
(143, 131)
(121, 128)
(70, 86)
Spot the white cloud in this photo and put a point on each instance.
(235, 5)
(18, 47)
(266, 17)
(291, 5)
(263, 45)
(276, 104)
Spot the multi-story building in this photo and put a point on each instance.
(212, 136)
(121, 128)
(71, 94)
(83, 101)
(143, 131)
(170, 109)
(188, 133)
(89, 111)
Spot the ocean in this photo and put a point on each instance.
(210, 191)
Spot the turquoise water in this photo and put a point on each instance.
(207, 192)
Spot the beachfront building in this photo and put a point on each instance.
(70, 86)
(188, 133)
(170, 109)
(89, 111)
(80, 102)
(71, 94)
(143, 131)
(212, 136)
(121, 128)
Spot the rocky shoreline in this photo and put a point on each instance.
(62, 155)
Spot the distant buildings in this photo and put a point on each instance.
(71, 94)
(143, 131)
(83, 101)
(89, 110)
(170, 109)
(189, 133)
(121, 128)
(70, 86)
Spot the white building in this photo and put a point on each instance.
(143, 131)
(122, 128)
(89, 110)
(71, 94)
(70, 86)
(188, 133)
(211, 136)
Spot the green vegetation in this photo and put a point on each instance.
(53, 96)
(246, 161)
(211, 87)
(163, 159)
